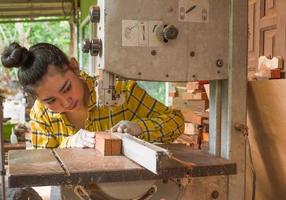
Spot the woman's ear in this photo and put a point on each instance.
(74, 66)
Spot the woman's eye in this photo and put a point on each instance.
(67, 89)
(51, 101)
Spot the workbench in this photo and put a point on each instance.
(85, 166)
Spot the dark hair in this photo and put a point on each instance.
(33, 63)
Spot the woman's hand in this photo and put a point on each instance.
(83, 139)
(126, 126)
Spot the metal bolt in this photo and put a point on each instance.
(171, 10)
(215, 194)
(170, 32)
(219, 63)
(153, 52)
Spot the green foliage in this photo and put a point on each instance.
(155, 89)
(30, 33)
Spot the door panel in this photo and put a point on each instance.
(266, 31)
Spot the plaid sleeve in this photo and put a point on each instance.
(158, 122)
(42, 136)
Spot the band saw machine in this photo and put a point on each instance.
(170, 41)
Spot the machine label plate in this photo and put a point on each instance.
(140, 33)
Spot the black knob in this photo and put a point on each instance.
(94, 14)
(85, 46)
(93, 46)
(170, 32)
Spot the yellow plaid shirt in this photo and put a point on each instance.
(158, 122)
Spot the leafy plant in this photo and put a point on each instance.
(30, 33)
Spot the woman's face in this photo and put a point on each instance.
(61, 91)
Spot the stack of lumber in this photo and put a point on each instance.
(192, 99)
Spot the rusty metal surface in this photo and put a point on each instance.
(31, 167)
(89, 166)
(199, 163)
(85, 166)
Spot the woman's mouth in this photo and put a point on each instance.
(72, 106)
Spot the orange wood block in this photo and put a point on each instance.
(108, 144)
(195, 96)
(192, 117)
(172, 94)
(194, 86)
(205, 136)
(275, 73)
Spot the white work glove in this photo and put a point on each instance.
(82, 139)
(126, 126)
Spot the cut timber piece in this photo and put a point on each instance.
(192, 117)
(275, 73)
(194, 86)
(108, 144)
(266, 65)
(195, 96)
(194, 105)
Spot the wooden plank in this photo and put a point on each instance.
(194, 105)
(266, 123)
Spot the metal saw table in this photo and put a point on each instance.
(85, 166)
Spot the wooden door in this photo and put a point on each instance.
(266, 31)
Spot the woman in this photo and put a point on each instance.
(65, 112)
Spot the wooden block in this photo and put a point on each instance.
(194, 105)
(192, 117)
(190, 128)
(275, 73)
(195, 96)
(189, 140)
(172, 94)
(205, 136)
(108, 144)
(194, 86)
(180, 90)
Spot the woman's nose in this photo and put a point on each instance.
(66, 102)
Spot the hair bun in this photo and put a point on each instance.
(14, 56)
